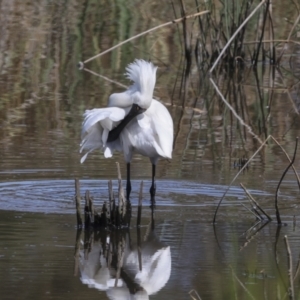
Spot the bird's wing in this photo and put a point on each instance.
(106, 116)
(96, 126)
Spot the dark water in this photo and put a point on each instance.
(42, 98)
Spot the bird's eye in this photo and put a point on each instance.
(138, 108)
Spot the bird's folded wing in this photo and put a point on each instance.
(162, 125)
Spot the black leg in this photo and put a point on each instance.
(153, 186)
(128, 184)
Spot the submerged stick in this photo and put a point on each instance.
(138, 222)
(81, 64)
(277, 189)
(139, 248)
(120, 257)
(290, 271)
(78, 204)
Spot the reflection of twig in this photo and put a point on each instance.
(122, 199)
(121, 250)
(78, 202)
(197, 297)
(277, 257)
(253, 234)
(77, 251)
(139, 248)
(277, 189)
(290, 272)
(297, 269)
(235, 113)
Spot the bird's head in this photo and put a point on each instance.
(143, 75)
(141, 100)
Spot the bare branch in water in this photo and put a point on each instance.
(255, 202)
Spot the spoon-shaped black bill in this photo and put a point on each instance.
(134, 111)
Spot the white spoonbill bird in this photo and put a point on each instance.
(132, 122)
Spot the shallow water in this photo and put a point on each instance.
(42, 98)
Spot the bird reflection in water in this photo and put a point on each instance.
(112, 262)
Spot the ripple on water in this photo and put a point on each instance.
(57, 196)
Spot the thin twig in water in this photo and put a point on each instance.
(234, 35)
(255, 202)
(145, 32)
(256, 215)
(276, 195)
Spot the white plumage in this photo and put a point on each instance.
(132, 122)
